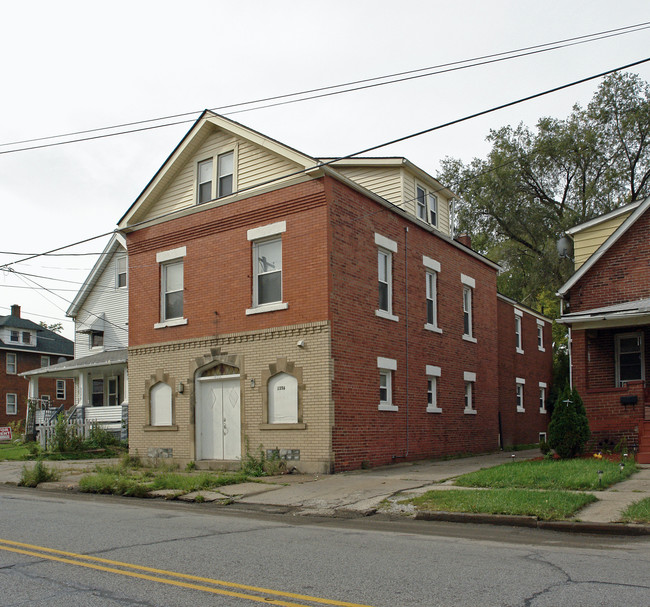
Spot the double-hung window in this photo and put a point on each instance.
(468, 296)
(267, 267)
(432, 269)
(27, 337)
(12, 404)
(11, 363)
(540, 336)
(519, 387)
(470, 381)
(433, 373)
(60, 389)
(210, 186)
(629, 358)
(204, 187)
(519, 344)
(14, 336)
(386, 368)
(120, 272)
(225, 174)
(426, 203)
(542, 397)
(45, 361)
(385, 249)
(171, 287)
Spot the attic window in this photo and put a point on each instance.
(96, 339)
(204, 193)
(14, 336)
(120, 269)
(27, 337)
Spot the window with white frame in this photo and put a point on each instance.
(540, 336)
(385, 249)
(542, 437)
(14, 336)
(629, 358)
(432, 269)
(433, 374)
(96, 339)
(470, 381)
(426, 203)
(11, 363)
(204, 181)
(120, 272)
(519, 383)
(45, 400)
(225, 174)
(267, 267)
(27, 337)
(542, 397)
(113, 392)
(468, 295)
(97, 396)
(11, 404)
(60, 389)
(386, 366)
(171, 287)
(45, 361)
(160, 401)
(519, 343)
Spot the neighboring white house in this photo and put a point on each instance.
(99, 369)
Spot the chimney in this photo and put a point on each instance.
(465, 239)
(15, 311)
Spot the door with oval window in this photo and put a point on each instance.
(218, 418)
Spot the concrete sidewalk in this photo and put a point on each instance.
(367, 492)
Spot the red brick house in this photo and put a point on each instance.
(606, 306)
(321, 313)
(26, 345)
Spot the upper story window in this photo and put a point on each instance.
(27, 337)
(11, 363)
(385, 249)
(171, 287)
(45, 361)
(211, 186)
(540, 336)
(542, 397)
(120, 272)
(629, 358)
(12, 404)
(519, 383)
(468, 307)
(15, 336)
(386, 368)
(267, 267)
(426, 205)
(431, 290)
(519, 344)
(96, 339)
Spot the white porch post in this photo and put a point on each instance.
(125, 400)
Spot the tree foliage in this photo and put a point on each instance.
(56, 327)
(568, 431)
(535, 184)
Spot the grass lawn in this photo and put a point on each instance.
(123, 480)
(638, 512)
(546, 505)
(11, 451)
(571, 474)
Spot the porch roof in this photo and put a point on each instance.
(103, 359)
(618, 315)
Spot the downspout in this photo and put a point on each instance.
(570, 359)
(406, 320)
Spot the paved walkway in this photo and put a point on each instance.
(361, 492)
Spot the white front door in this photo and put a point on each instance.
(218, 419)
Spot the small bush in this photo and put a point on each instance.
(568, 431)
(40, 473)
(544, 447)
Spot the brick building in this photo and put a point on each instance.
(25, 345)
(606, 305)
(322, 313)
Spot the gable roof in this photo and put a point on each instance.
(641, 208)
(114, 245)
(47, 342)
(204, 125)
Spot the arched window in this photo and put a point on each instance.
(283, 399)
(160, 397)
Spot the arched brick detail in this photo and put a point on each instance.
(281, 365)
(159, 377)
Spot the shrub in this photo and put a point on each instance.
(568, 431)
(544, 447)
(40, 473)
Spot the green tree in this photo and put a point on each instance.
(568, 431)
(56, 327)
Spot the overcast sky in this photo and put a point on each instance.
(70, 66)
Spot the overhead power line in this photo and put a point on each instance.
(325, 91)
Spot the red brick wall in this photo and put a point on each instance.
(218, 266)
(14, 384)
(533, 365)
(622, 274)
(362, 433)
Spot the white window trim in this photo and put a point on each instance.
(469, 378)
(261, 234)
(171, 254)
(272, 229)
(428, 192)
(542, 386)
(57, 389)
(468, 283)
(519, 334)
(214, 184)
(520, 382)
(15, 363)
(15, 404)
(540, 327)
(617, 354)
(433, 372)
(389, 247)
(117, 272)
(164, 257)
(432, 266)
(388, 365)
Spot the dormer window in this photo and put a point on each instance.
(27, 337)
(426, 203)
(96, 339)
(14, 336)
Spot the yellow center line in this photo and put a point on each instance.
(48, 553)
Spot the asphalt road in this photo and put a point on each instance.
(91, 551)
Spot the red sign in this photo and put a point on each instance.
(5, 433)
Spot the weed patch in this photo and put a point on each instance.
(40, 473)
(639, 512)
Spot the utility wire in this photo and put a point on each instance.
(390, 79)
